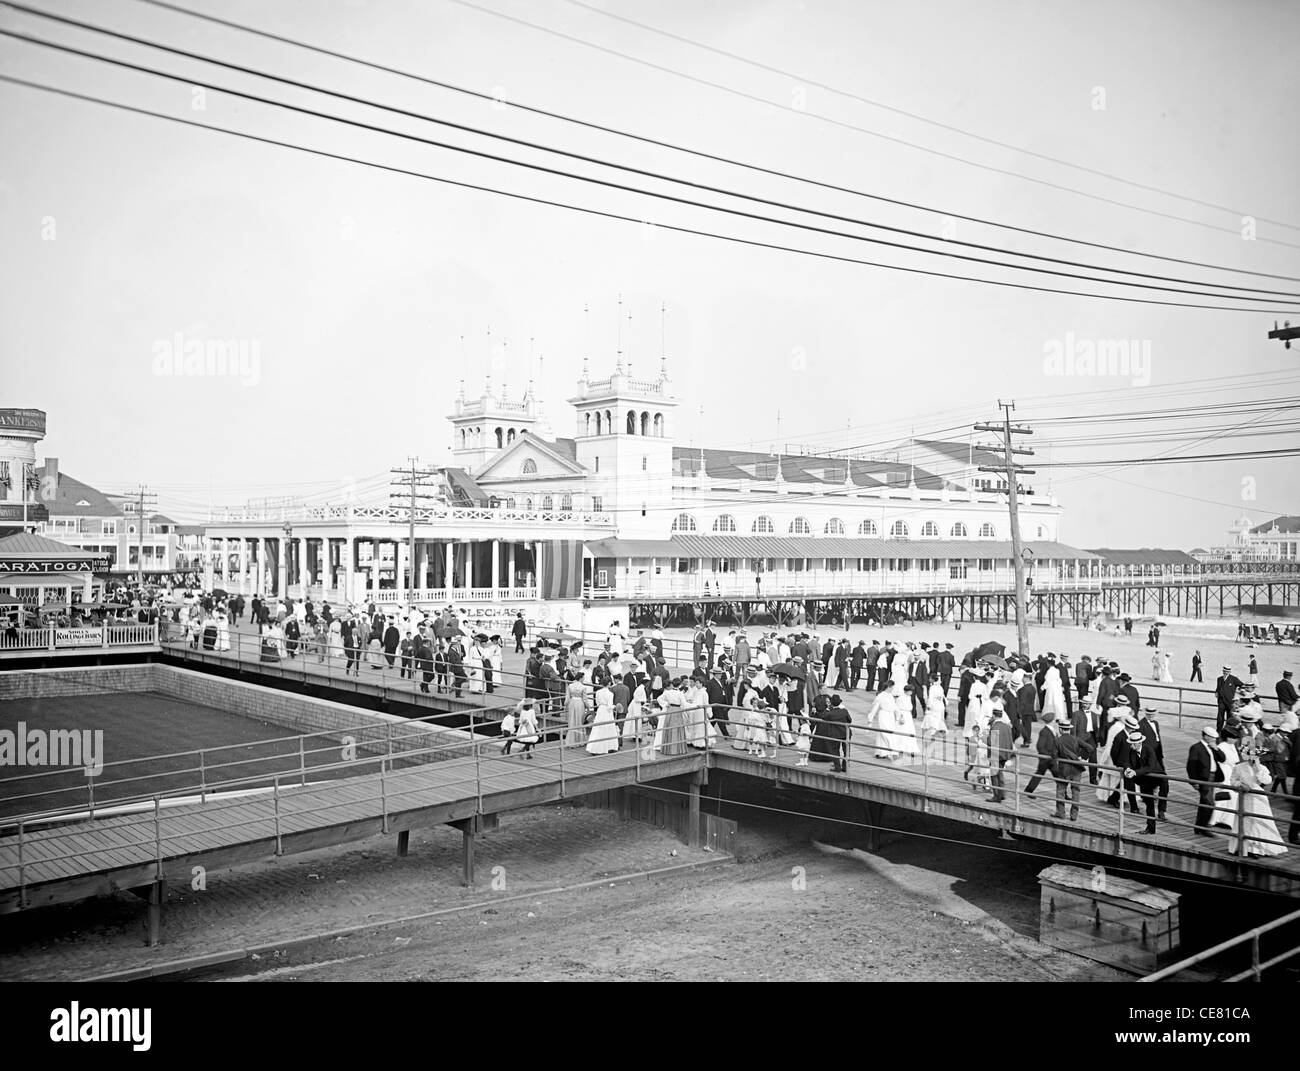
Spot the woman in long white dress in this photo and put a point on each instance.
(474, 666)
(905, 720)
(1225, 810)
(883, 719)
(1166, 674)
(575, 709)
(632, 723)
(604, 729)
(223, 632)
(1053, 694)
(696, 715)
(1109, 781)
(336, 640)
(977, 699)
(1259, 831)
(1157, 664)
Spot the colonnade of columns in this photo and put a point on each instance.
(260, 565)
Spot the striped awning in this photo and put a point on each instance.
(725, 546)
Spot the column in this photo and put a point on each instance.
(496, 567)
(469, 564)
(300, 555)
(423, 558)
(348, 550)
(243, 566)
(282, 568)
(86, 594)
(208, 565)
(451, 564)
(399, 563)
(510, 572)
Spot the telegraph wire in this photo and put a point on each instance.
(851, 126)
(611, 185)
(1250, 293)
(676, 228)
(804, 80)
(701, 154)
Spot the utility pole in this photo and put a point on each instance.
(144, 499)
(417, 479)
(1012, 471)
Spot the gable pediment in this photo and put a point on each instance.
(528, 457)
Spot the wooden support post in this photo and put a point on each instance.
(693, 812)
(467, 853)
(403, 842)
(156, 893)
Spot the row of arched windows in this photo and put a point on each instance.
(635, 423)
(546, 502)
(764, 525)
(472, 438)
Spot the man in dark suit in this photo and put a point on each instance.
(921, 677)
(1150, 729)
(963, 693)
(1086, 732)
(856, 661)
(1225, 691)
(519, 630)
(1141, 767)
(710, 641)
(1203, 768)
(1063, 670)
(1047, 752)
(934, 662)
(1286, 693)
(842, 665)
(1083, 675)
(1026, 701)
(828, 659)
(870, 660)
(1127, 688)
(947, 663)
(717, 688)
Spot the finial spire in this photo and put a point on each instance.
(618, 327)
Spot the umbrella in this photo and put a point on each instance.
(997, 661)
(560, 637)
(787, 669)
(220, 593)
(999, 649)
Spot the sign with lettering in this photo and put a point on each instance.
(78, 637)
(52, 565)
(23, 419)
(13, 511)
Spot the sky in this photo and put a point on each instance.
(362, 297)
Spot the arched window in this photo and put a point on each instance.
(510, 435)
(528, 504)
(548, 502)
(1042, 533)
(566, 503)
(898, 530)
(588, 423)
(959, 531)
(800, 526)
(929, 530)
(462, 438)
(683, 522)
(597, 423)
(529, 467)
(834, 526)
(501, 438)
(987, 531)
(867, 528)
(725, 523)
(659, 425)
(631, 421)
(645, 423)
(763, 526)
(609, 422)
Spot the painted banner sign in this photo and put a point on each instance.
(78, 637)
(52, 565)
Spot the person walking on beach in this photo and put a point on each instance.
(1196, 668)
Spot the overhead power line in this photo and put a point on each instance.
(698, 153)
(676, 228)
(804, 80)
(1251, 294)
(852, 126)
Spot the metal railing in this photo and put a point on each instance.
(1255, 972)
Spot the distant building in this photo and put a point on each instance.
(108, 525)
(1277, 540)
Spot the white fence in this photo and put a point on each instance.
(72, 640)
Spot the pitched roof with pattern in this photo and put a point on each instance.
(1285, 526)
(1143, 556)
(71, 492)
(30, 545)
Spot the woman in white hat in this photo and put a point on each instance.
(1259, 831)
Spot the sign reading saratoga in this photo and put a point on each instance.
(53, 565)
(23, 419)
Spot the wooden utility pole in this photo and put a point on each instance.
(1012, 471)
(141, 520)
(417, 478)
